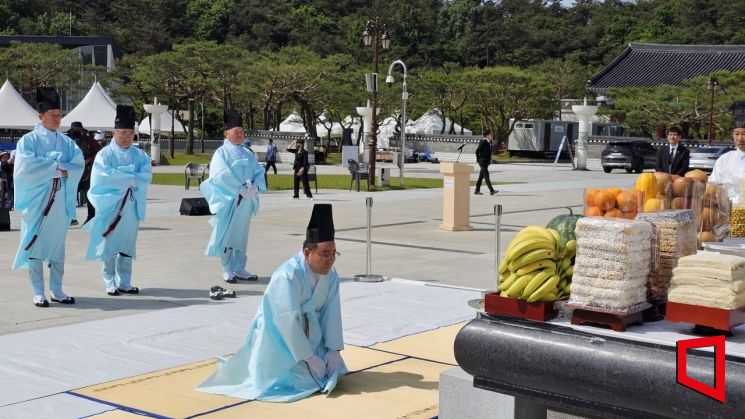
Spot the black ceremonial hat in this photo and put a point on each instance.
(321, 225)
(47, 98)
(232, 118)
(125, 117)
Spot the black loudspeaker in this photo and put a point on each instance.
(4, 219)
(194, 206)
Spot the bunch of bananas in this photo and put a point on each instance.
(536, 267)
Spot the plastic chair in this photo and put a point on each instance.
(193, 171)
(312, 176)
(357, 173)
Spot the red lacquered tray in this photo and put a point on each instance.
(538, 311)
(716, 318)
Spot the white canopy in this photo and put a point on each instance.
(431, 123)
(388, 128)
(293, 123)
(96, 111)
(15, 112)
(165, 125)
(336, 129)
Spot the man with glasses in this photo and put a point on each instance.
(294, 343)
(120, 177)
(48, 167)
(232, 191)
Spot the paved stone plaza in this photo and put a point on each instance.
(172, 271)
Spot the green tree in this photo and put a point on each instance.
(504, 95)
(30, 66)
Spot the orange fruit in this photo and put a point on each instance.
(605, 200)
(614, 191)
(627, 201)
(593, 212)
(590, 196)
(614, 213)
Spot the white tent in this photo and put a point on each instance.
(431, 123)
(165, 125)
(336, 129)
(293, 123)
(95, 111)
(388, 128)
(15, 112)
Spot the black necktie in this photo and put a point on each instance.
(672, 155)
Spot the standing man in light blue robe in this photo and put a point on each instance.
(232, 191)
(293, 344)
(120, 178)
(48, 168)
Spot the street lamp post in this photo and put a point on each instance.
(404, 98)
(376, 35)
(712, 85)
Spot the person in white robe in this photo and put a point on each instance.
(48, 167)
(120, 179)
(730, 167)
(232, 192)
(294, 342)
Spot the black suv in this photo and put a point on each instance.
(634, 156)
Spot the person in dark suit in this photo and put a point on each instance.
(483, 158)
(674, 157)
(300, 166)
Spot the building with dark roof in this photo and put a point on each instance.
(642, 65)
(92, 50)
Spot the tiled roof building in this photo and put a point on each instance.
(654, 64)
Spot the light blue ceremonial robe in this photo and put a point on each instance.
(39, 154)
(114, 171)
(270, 366)
(230, 167)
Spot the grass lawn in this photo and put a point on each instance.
(284, 182)
(181, 159)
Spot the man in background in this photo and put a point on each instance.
(674, 157)
(300, 168)
(483, 158)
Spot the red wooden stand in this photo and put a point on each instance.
(615, 319)
(720, 319)
(538, 311)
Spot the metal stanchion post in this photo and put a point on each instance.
(497, 238)
(367, 276)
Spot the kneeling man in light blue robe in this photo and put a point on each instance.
(48, 167)
(293, 344)
(119, 181)
(232, 191)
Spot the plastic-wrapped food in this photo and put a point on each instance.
(675, 237)
(612, 202)
(715, 214)
(604, 279)
(709, 279)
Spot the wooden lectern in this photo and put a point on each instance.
(456, 199)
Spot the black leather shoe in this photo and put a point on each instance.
(66, 300)
(131, 290)
(477, 193)
(113, 293)
(493, 192)
(42, 303)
